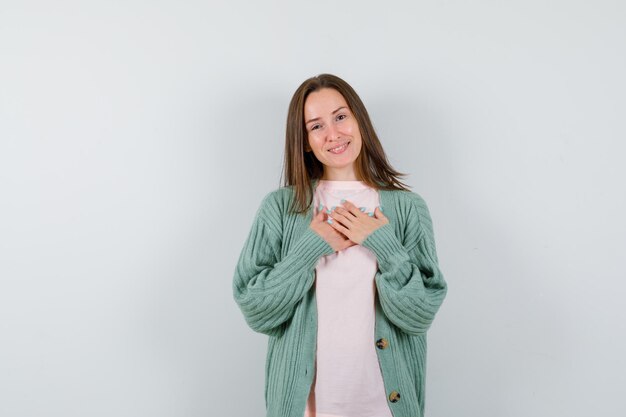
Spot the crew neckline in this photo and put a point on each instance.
(345, 184)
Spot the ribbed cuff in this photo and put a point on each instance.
(384, 243)
(310, 247)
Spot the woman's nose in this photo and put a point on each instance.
(332, 132)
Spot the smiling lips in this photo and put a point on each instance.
(339, 149)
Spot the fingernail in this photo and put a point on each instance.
(333, 207)
(370, 214)
(321, 207)
(343, 200)
(362, 209)
(330, 221)
(327, 211)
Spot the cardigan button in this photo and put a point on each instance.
(382, 343)
(394, 396)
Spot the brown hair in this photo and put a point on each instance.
(301, 168)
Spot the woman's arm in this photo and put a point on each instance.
(410, 285)
(268, 288)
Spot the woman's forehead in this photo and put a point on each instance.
(323, 102)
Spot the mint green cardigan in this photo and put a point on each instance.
(274, 287)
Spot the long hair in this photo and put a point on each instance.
(300, 168)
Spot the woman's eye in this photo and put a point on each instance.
(315, 127)
(341, 116)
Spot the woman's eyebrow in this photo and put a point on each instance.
(317, 118)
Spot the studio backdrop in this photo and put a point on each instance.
(138, 138)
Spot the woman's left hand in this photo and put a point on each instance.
(355, 224)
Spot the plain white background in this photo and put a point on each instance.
(137, 139)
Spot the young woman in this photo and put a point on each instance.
(345, 293)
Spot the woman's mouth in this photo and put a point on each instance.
(339, 149)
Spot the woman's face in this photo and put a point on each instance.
(333, 133)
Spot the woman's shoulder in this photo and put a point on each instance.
(277, 198)
(410, 208)
(275, 203)
(407, 198)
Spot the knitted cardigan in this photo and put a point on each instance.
(274, 287)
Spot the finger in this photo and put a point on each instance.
(347, 212)
(323, 212)
(378, 213)
(338, 226)
(341, 236)
(352, 208)
(341, 218)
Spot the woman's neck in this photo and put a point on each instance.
(339, 175)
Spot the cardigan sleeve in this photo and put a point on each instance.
(266, 287)
(410, 285)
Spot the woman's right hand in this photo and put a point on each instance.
(338, 241)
